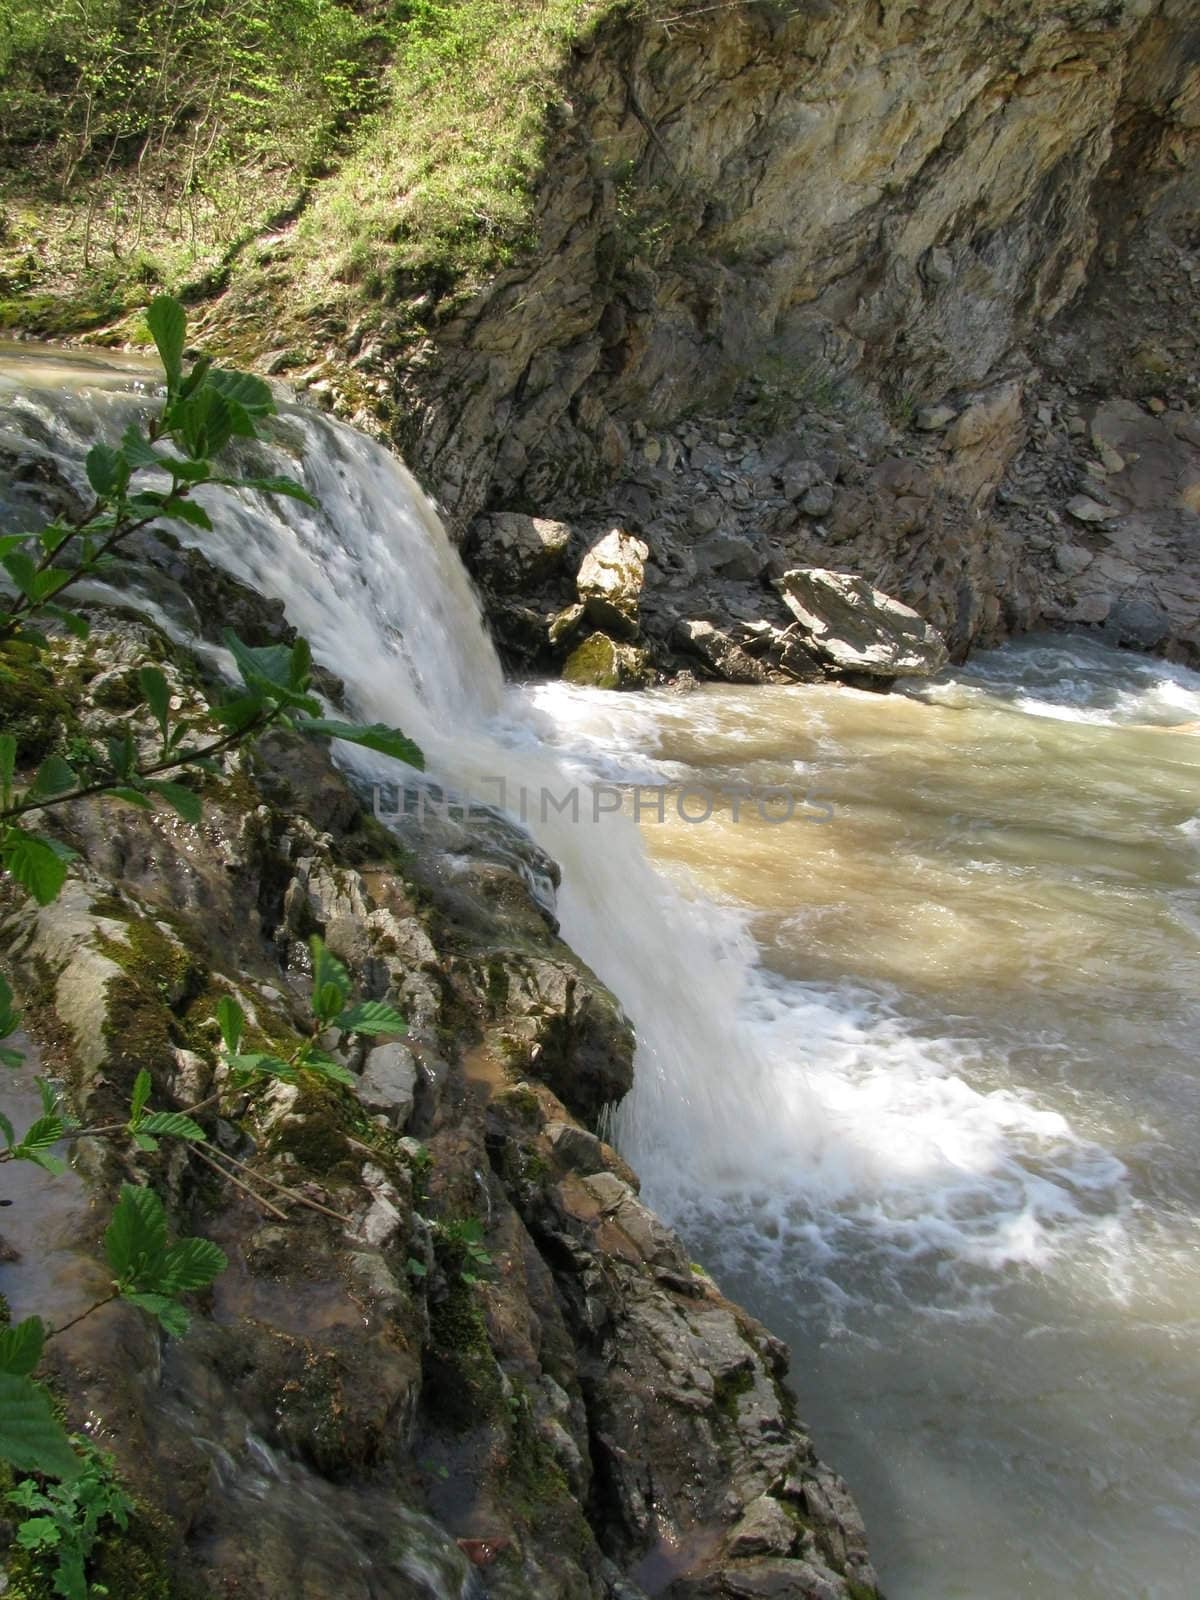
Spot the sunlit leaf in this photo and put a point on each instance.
(371, 1017)
(372, 736)
(167, 322)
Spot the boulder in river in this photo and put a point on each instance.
(858, 628)
(610, 583)
(604, 663)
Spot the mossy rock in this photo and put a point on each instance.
(602, 663)
(33, 706)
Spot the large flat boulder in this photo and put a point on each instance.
(858, 628)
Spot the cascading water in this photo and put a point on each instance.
(919, 1081)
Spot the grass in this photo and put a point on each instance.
(439, 186)
(426, 189)
(431, 187)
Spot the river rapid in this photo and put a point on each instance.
(974, 1002)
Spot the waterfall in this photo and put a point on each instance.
(373, 582)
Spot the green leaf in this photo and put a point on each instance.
(11, 1058)
(192, 1264)
(133, 797)
(182, 799)
(137, 449)
(187, 511)
(6, 1127)
(300, 665)
(31, 1437)
(327, 973)
(203, 423)
(371, 1017)
(135, 1240)
(145, 1142)
(29, 1497)
(288, 486)
(416, 1269)
(167, 322)
(9, 1019)
(38, 1533)
(39, 865)
(70, 1577)
(240, 711)
(270, 668)
(251, 393)
(327, 1002)
(173, 1124)
(198, 375)
(122, 753)
(71, 620)
(188, 471)
(231, 1019)
(142, 1085)
(44, 1134)
(52, 538)
(54, 776)
(154, 687)
(107, 471)
(23, 571)
(324, 1066)
(266, 1066)
(8, 762)
(21, 1346)
(170, 1314)
(372, 736)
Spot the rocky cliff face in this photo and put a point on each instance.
(845, 284)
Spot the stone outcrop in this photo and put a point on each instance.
(807, 280)
(610, 583)
(860, 629)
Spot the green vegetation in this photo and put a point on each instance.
(63, 1522)
(324, 151)
(140, 140)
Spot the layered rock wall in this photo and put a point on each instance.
(904, 249)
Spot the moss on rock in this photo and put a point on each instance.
(603, 663)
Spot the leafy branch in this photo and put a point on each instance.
(203, 411)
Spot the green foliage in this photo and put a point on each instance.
(63, 1521)
(204, 409)
(31, 1437)
(149, 1272)
(462, 1248)
(331, 1008)
(168, 126)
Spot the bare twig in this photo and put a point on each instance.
(238, 1184)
